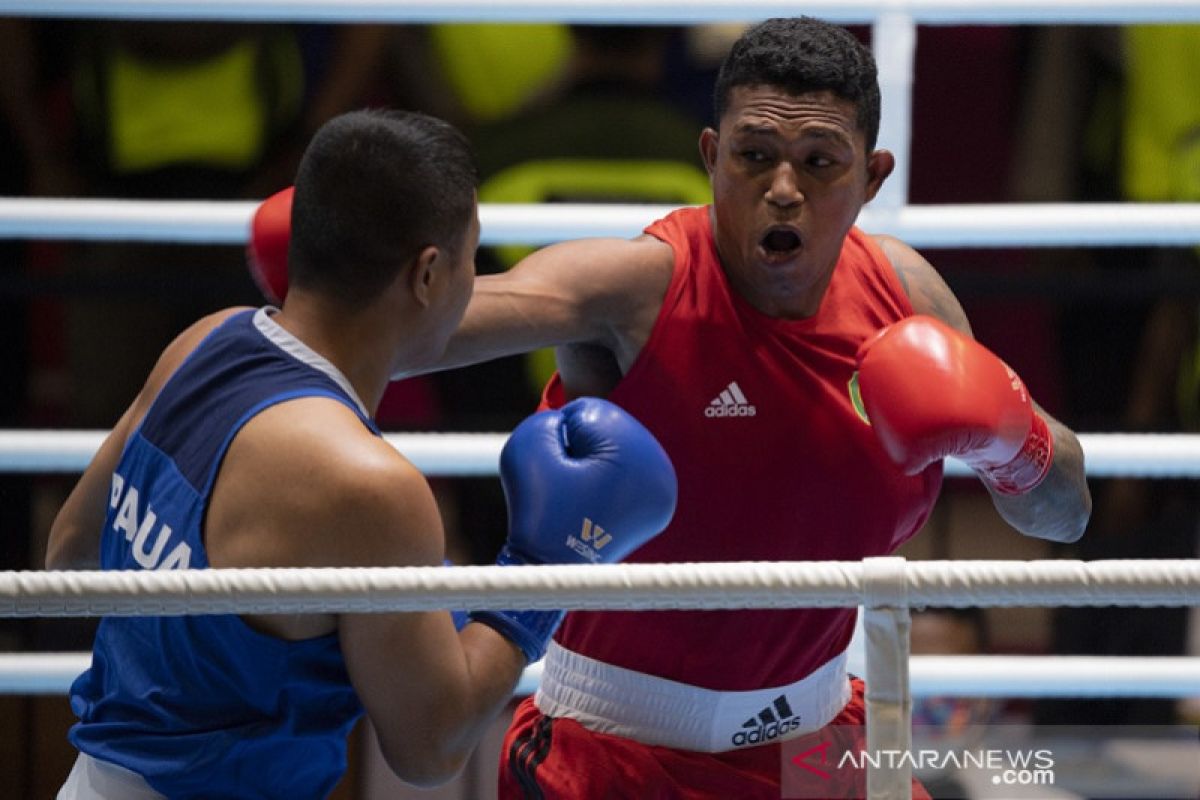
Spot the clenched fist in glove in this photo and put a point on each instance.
(586, 483)
(932, 392)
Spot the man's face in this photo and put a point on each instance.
(789, 175)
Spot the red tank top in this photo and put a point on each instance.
(774, 462)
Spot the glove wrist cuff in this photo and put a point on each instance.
(528, 630)
(507, 557)
(1030, 466)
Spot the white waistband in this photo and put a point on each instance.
(94, 779)
(652, 710)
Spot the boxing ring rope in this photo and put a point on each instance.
(958, 226)
(1163, 677)
(874, 582)
(941, 12)
(478, 454)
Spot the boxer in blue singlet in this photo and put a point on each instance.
(252, 445)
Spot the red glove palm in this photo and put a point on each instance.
(266, 253)
(932, 392)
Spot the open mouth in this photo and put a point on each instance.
(780, 244)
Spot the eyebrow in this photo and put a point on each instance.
(824, 134)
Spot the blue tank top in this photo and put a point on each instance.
(205, 706)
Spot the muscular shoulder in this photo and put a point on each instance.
(170, 359)
(926, 289)
(321, 490)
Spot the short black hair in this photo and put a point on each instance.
(799, 55)
(373, 189)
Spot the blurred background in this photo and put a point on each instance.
(1106, 339)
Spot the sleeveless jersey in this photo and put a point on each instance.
(775, 463)
(205, 706)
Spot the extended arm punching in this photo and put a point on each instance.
(603, 292)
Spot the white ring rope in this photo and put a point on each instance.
(614, 11)
(477, 454)
(832, 584)
(975, 225)
(966, 676)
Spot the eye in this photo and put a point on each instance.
(820, 161)
(753, 156)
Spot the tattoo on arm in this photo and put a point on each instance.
(902, 274)
(929, 294)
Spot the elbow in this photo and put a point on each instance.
(56, 553)
(1068, 525)
(426, 773)
(65, 550)
(1079, 520)
(424, 766)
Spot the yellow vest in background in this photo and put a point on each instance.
(216, 112)
(494, 68)
(1162, 113)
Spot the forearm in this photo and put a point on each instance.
(1059, 507)
(507, 316)
(433, 731)
(494, 664)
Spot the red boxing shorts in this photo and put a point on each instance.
(559, 759)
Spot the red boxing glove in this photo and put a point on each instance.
(932, 392)
(266, 253)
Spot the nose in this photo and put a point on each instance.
(784, 190)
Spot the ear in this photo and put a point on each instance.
(422, 275)
(710, 142)
(879, 165)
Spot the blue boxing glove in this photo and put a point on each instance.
(586, 483)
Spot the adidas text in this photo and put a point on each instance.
(772, 722)
(730, 411)
(765, 733)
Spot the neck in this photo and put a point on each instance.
(354, 342)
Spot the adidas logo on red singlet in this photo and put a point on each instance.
(730, 403)
(772, 722)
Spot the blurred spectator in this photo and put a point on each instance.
(604, 132)
(1140, 120)
(165, 111)
(967, 96)
(474, 73)
(949, 723)
(14, 320)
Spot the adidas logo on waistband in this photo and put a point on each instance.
(772, 722)
(730, 403)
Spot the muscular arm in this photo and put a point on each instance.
(430, 692)
(1057, 509)
(305, 485)
(601, 292)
